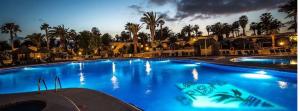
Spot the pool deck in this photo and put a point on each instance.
(75, 99)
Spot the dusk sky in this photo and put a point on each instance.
(110, 16)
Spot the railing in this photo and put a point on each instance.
(39, 85)
(57, 81)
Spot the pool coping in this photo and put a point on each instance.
(218, 62)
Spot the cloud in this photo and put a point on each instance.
(161, 2)
(167, 17)
(137, 8)
(140, 10)
(204, 9)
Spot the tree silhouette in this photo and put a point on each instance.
(291, 9)
(243, 22)
(152, 21)
(12, 29)
(46, 28)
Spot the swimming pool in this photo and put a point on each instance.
(166, 84)
(261, 60)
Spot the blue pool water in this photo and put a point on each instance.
(157, 85)
(281, 61)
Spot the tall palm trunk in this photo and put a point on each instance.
(62, 42)
(11, 40)
(161, 34)
(135, 42)
(189, 34)
(254, 32)
(47, 39)
(244, 33)
(152, 32)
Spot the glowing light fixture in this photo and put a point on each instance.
(281, 43)
(147, 48)
(293, 62)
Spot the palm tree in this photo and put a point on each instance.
(208, 29)
(259, 28)
(95, 31)
(72, 36)
(36, 39)
(253, 27)
(226, 29)
(143, 37)
(152, 20)
(266, 19)
(196, 29)
(127, 27)
(134, 29)
(188, 29)
(61, 32)
(276, 25)
(243, 22)
(291, 9)
(236, 28)
(217, 29)
(46, 27)
(161, 23)
(12, 29)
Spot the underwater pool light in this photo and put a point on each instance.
(163, 61)
(198, 63)
(191, 65)
(261, 72)
(257, 76)
(107, 61)
(27, 68)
